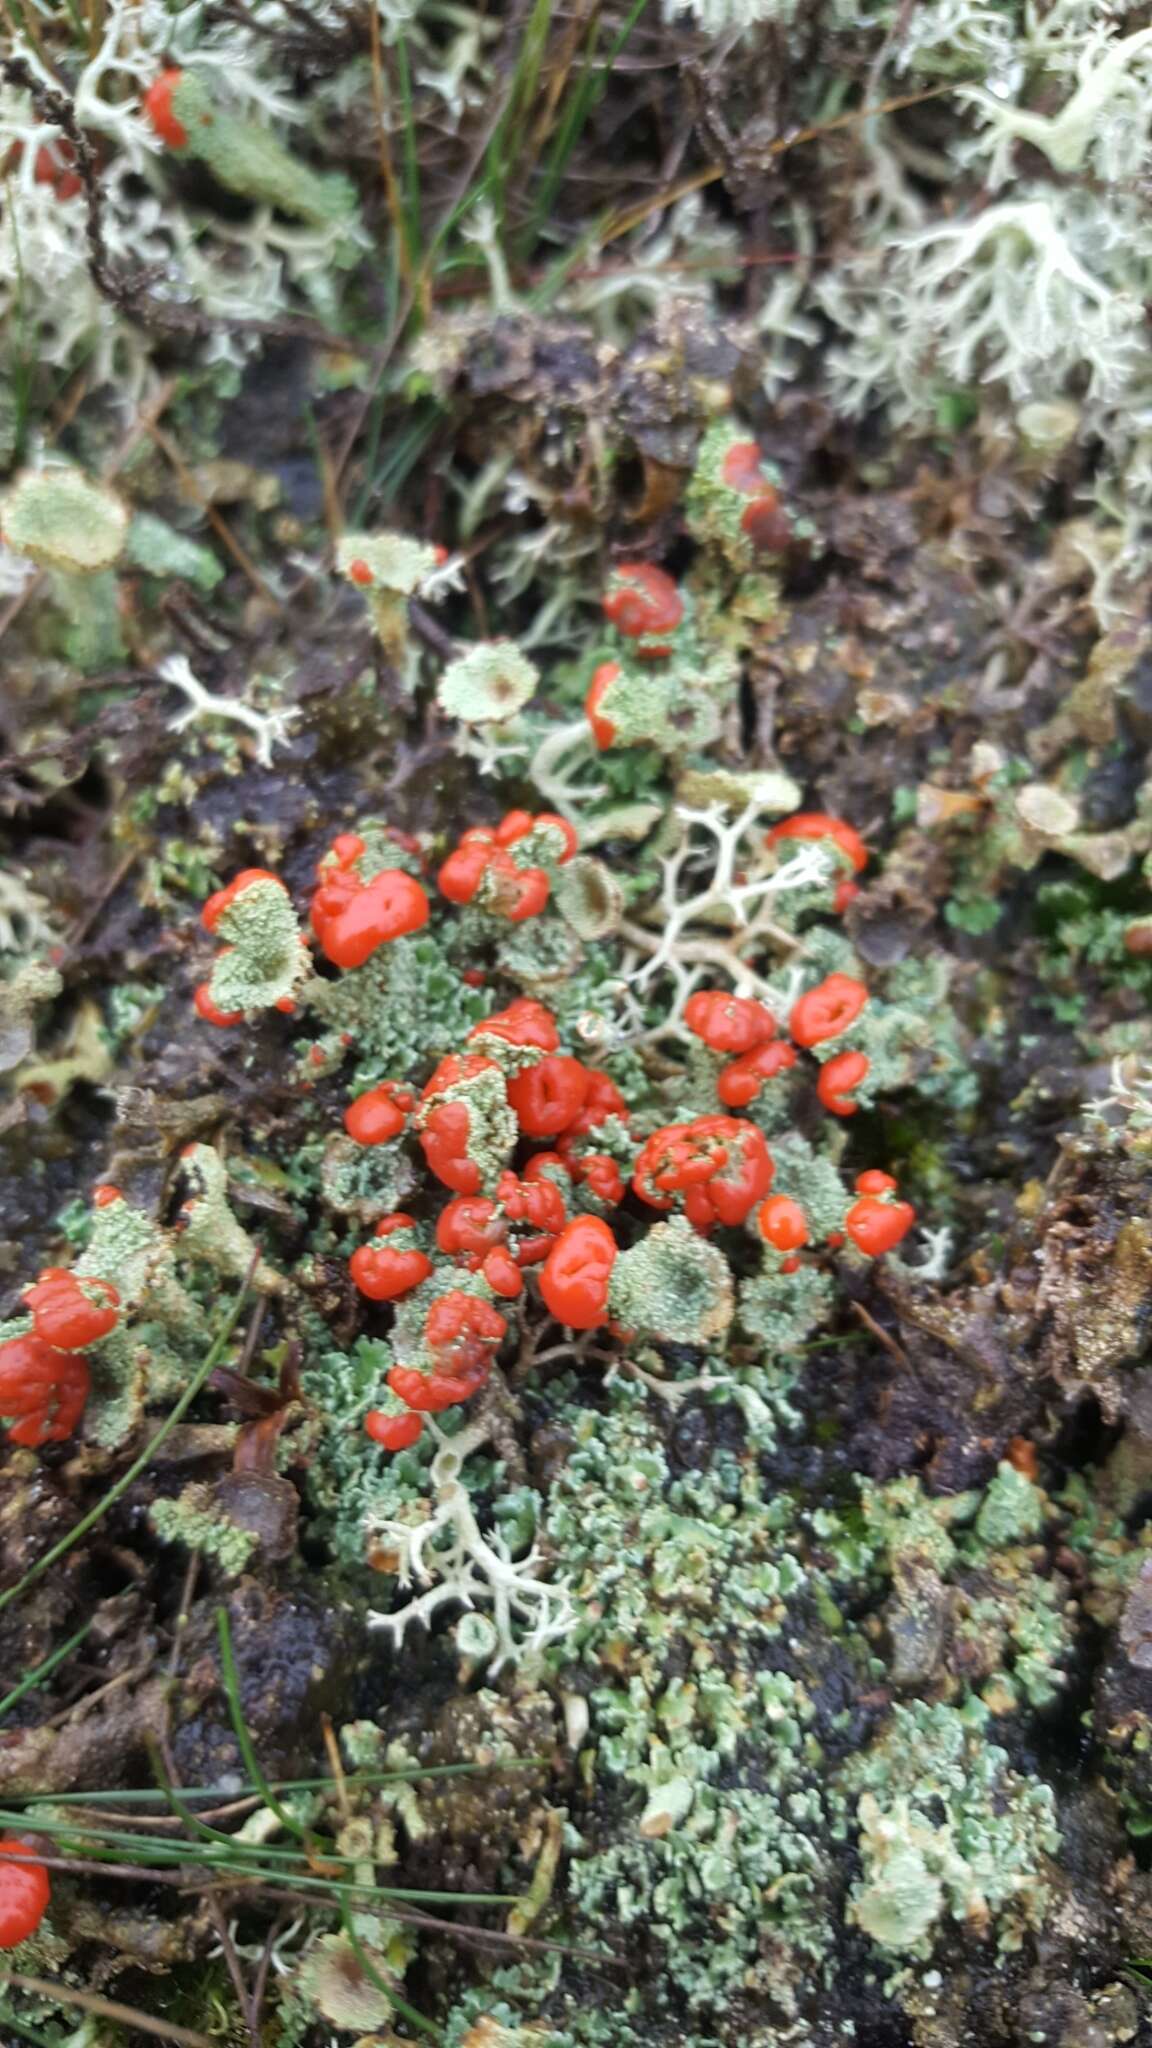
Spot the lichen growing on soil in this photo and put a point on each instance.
(575, 938)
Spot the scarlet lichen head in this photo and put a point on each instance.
(71, 1313)
(224, 898)
(462, 1333)
(821, 825)
(827, 1010)
(839, 1078)
(727, 1023)
(25, 1892)
(878, 1221)
(603, 729)
(740, 1082)
(715, 1168)
(734, 502)
(265, 959)
(467, 1130)
(394, 1429)
(158, 108)
(42, 1391)
(783, 1223)
(524, 1022)
(547, 1098)
(644, 605)
(575, 1277)
(380, 1113)
(506, 869)
(353, 917)
(391, 1264)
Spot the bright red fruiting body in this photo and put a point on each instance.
(68, 1314)
(524, 1022)
(783, 1223)
(548, 1166)
(385, 1272)
(42, 1389)
(599, 1173)
(429, 1393)
(838, 1078)
(820, 825)
(877, 1225)
(379, 1114)
(105, 1194)
(548, 1097)
(766, 523)
(603, 730)
(502, 1273)
(444, 1139)
(459, 1323)
(731, 1024)
(482, 866)
(827, 1010)
(469, 1227)
(206, 1008)
(740, 1082)
(550, 819)
(642, 600)
(741, 470)
(454, 1070)
(393, 1432)
(602, 1099)
(217, 904)
(513, 892)
(575, 1276)
(353, 918)
(158, 107)
(445, 1124)
(535, 1203)
(359, 572)
(874, 1182)
(465, 868)
(24, 1892)
(719, 1166)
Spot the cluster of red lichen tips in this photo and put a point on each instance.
(44, 1378)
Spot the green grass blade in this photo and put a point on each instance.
(138, 1465)
(243, 1733)
(400, 2005)
(34, 1678)
(590, 89)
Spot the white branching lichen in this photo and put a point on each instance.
(459, 1566)
(714, 910)
(271, 728)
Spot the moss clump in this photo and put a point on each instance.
(673, 1285)
(62, 520)
(196, 1520)
(948, 1831)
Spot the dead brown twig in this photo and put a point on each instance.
(106, 2008)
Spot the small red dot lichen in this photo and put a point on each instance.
(25, 1892)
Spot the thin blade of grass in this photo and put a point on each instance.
(400, 2005)
(138, 1465)
(243, 1733)
(590, 89)
(44, 1670)
(211, 1794)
